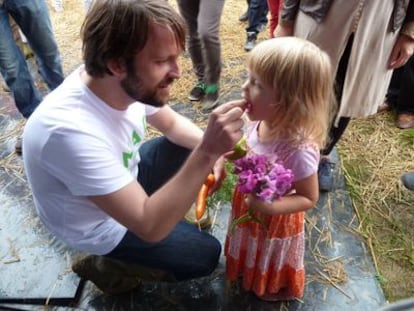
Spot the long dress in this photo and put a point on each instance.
(270, 258)
(367, 76)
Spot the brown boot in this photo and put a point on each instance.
(405, 120)
(115, 277)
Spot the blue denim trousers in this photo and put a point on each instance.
(34, 21)
(186, 252)
(258, 10)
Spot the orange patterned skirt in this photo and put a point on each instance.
(269, 256)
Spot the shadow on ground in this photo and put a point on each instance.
(34, 265)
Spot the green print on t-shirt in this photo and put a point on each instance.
(136, 139)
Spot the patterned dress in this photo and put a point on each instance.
(269, 258)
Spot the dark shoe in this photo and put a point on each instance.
(250, 41)
(325, 175)
(244, 17)
(114, 276)
(197, 92)
(408, 180)
(405, 120)
(18, 147)
(210, 100)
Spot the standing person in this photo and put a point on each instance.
(203, 22)
(96, 184)
(288, 94)
(256, 23)
(34, 21)
(365, 40)
(400, 95)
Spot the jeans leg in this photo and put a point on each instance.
(34, 21)
(15, 71)
(186, 252)
(160, 160)
(190, 9)
(208, 30)
(257, 9)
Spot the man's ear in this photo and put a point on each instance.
(116, 67)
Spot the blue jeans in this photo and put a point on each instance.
(258, 10)
(33, 19)
(186, 252)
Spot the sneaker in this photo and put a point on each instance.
(250, 41)
(18, 147)
(210, 100)
(114, 276)
(244, 17)
(197, 92)
(408, 180)
(325, 175)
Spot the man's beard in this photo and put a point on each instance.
(133, 86)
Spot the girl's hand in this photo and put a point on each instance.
(256, 204)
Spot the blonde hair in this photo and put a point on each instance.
(301, 75)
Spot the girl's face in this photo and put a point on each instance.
(261, 99)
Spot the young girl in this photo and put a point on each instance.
(289, 96)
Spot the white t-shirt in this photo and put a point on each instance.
(75, 146)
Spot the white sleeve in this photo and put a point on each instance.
(84, 163)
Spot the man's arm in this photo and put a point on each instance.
(153, 217)
(176, 127)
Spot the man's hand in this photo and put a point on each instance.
(224, 128)
(402, 51)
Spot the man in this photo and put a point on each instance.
(95, 184)
(33, 19)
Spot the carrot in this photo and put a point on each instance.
(201, 202)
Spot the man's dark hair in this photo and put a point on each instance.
(118, 30)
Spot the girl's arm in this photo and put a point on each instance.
(304, 197)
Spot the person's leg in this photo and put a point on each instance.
(190, 9)
(263, 18)
(14, 69)
(245, 16)
(160, 160)
(208, 29)
(34, 21)
(186, 252)
(405, 104)
(274, 7)
(325, 169)
(256, 10)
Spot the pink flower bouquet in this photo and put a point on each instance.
(266, 180)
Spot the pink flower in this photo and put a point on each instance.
(265, 179)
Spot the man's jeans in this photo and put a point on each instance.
(186, 252)
(33, 19)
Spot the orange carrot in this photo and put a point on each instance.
(201, 202)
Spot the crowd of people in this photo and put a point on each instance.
(122, 197)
